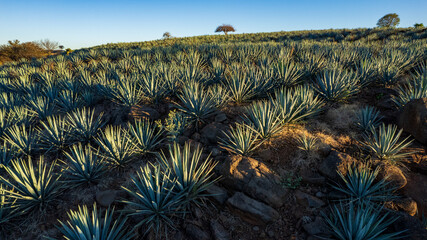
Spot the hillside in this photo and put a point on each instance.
(329, 35)
(249, 136)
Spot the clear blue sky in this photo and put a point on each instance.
(78, 23)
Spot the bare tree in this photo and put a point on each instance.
(167, 35)
(48, 44)
(225, 28)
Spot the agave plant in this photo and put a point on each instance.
(361, 184)
(7, 154)
(8, 209)
(360, 222)
(42, 106)
(83, 166)
(126, 92)
(297, 104)
(196, 103)
(115, 146)
(367, 118)
(23, 138)
(34, 188)
(193, 174)
(85, 225)
(84, 123)
(287, 73)
(54, 134)
(154, 87)
(415, 89)
(239, 86)
(154, 199)
(307, 142)
(69, 100)
(336, 85)
(263, 118)
(240, 140)
(144, 135)
(383, 142)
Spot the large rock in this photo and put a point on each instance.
(218, 231)
(217, 193)
(417, 190)
(413, 227)
(106, 198)
(413, 119)
(212, 131)
(317, 227)
(308, 200)
(255, 179)
(250, 210)
(196, 233)
(393, 175)
(335, 161)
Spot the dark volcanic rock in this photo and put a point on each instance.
(413, 119)
(255, 179)
(252, 211)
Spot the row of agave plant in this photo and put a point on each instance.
(47, 105)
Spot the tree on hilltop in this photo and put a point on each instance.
(389, 20)
(48, 44)
(167, 35)
(225, 28)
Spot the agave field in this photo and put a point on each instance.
(240, 140)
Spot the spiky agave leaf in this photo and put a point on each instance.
(54, 134)
(240, 140)
(8, 208)
(83, 166)
(193, 174)
(263, 118)
(115, 146)
(383, 142)
(42, 106)
(85, 225)
(69, 100)
(196, 103)
(154, 198)
(415, 89)
(34, 187)
(307, 142)
(360, 222)
(7, 154)
(154, 87)
(144, 135)
(287, 73)
(336, 85)
(368, 117)
(239, 86)
(23, 138)
(84, 123)
(361, 184)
